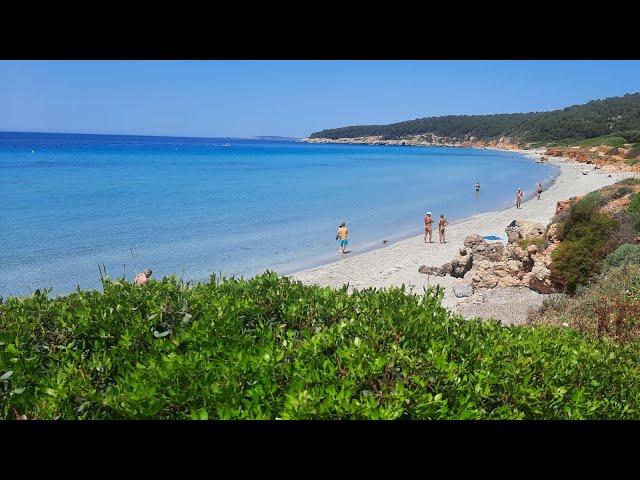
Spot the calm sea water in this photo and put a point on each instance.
(196, 206)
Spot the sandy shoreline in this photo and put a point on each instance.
(398, 263)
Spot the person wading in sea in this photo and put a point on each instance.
(519, 195)
(428, 221)
(441, 224)
(539, 190)
(477, 186)
(142, 277)
(342, 234)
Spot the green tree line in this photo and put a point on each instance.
(612, 116)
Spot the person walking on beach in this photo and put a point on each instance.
(477, 186)
(341, 235)
(142, 277)
(539, 190)
(441, 224)
(519, 195)
(428, 221)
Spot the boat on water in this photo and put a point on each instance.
(226, 145)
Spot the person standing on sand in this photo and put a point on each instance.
(477, 186)
(441, 224)
(341, 235)
(539, 190)
(142, 277)
(519, 195)
(428, 221)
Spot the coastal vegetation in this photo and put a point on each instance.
(607, 308)
(270, 347)
(613, 121)
(589, 233)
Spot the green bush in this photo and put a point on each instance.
(584, 233)
(634, 205)
(270, 348)
(623, 255)
(526, 242)
(609, 308)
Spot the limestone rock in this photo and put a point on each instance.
(471, 241)
(463, 289)
(523, 230)
(540, 279)
(436, 271)
(489, 251)
(461, 264)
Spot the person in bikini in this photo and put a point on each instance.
(441, 224)
(539, 190)
(477, 186)
(428, 221)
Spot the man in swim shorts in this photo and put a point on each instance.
(428, 221)
(342, 234)
(539, 190)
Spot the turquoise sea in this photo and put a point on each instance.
(196, 206)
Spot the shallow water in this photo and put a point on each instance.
(193, 207)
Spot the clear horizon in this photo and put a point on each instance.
(247, 99)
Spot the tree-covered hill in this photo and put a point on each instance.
(614, 115)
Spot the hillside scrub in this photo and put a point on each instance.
(608, 308)
(623, 255)
(612, 121)
(583, 231)
(270, 347)
(588, 235)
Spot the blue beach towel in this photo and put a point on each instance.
(492, 237)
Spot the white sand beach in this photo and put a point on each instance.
(398, 263)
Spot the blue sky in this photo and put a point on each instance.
(287, 98)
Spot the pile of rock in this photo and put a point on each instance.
(494, 264)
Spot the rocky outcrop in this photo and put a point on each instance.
(435, 271)
(463, 289)
(493, 264)
(461, 263)
(511, 265)
(519, 230)
(427, 138)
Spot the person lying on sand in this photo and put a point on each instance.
(441, 224)
(142, 277)
(342, 234)
(428, 221)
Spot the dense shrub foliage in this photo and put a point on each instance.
(271, 348)
(616, 118)
(623, 255)
(608, 308)
(584, 232)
